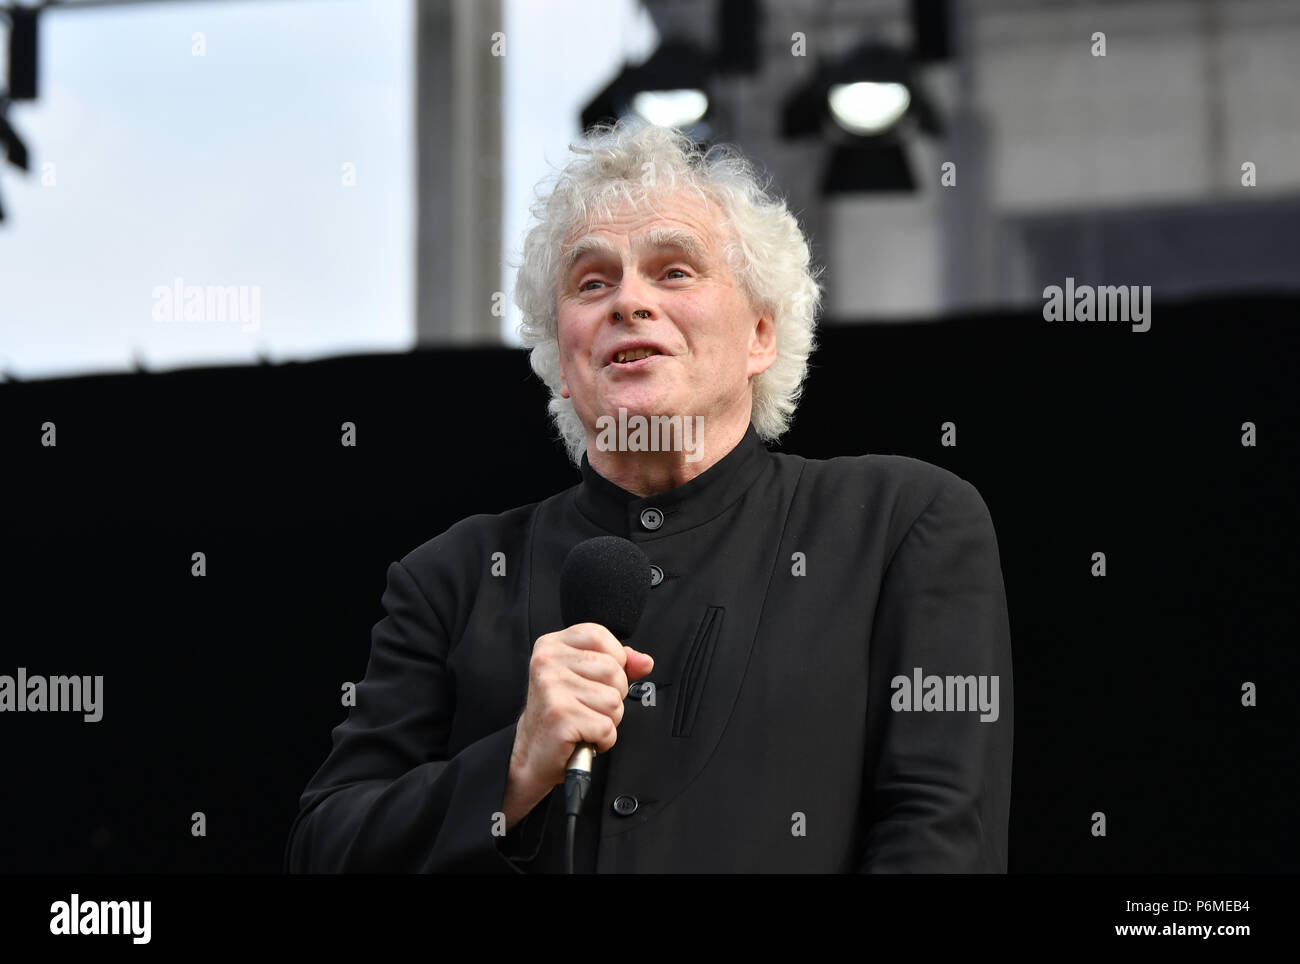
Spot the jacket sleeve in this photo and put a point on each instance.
(938, 771)
(388, 797)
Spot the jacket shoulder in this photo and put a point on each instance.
(898, 477)
(898, 487)
(472, 542)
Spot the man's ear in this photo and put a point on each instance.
(762, 346)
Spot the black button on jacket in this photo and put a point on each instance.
(832, 687)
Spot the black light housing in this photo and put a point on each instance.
(739, 26)
(23, 49)
(14, 148)
(676, 65)
(869, 166)
(685, 68)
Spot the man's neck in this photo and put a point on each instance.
(648, 473)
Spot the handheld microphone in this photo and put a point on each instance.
(604, 580)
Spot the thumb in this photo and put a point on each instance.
(638, 664)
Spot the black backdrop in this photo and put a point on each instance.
(220, 692)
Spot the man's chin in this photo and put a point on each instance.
(641, 400)
(627, 410)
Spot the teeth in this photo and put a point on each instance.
(634, 354)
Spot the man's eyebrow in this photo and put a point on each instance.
(684, 241)
(656, 238)
(583, 247)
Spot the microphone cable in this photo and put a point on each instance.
(576, 784)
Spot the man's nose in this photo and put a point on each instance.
(640, 313)
(633, 301)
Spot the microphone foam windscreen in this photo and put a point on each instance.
(605, 580)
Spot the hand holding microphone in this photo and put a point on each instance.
(578, 677)
(577, 681)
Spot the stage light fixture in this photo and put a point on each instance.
(670, 89)
(863, 105)
(868, 91)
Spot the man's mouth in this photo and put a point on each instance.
(634, 354)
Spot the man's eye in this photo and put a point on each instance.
(677, 270)
(593, 281)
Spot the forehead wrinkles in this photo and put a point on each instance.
(698, 236)
(656, 238)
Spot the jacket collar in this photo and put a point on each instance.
(710, 493)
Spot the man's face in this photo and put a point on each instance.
(659, 282)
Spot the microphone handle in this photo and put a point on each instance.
(577, 781)
(582, 757)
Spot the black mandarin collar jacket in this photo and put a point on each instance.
(790, 596)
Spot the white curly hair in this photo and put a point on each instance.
(768, 254)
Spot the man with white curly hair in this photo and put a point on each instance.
(821, 679)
